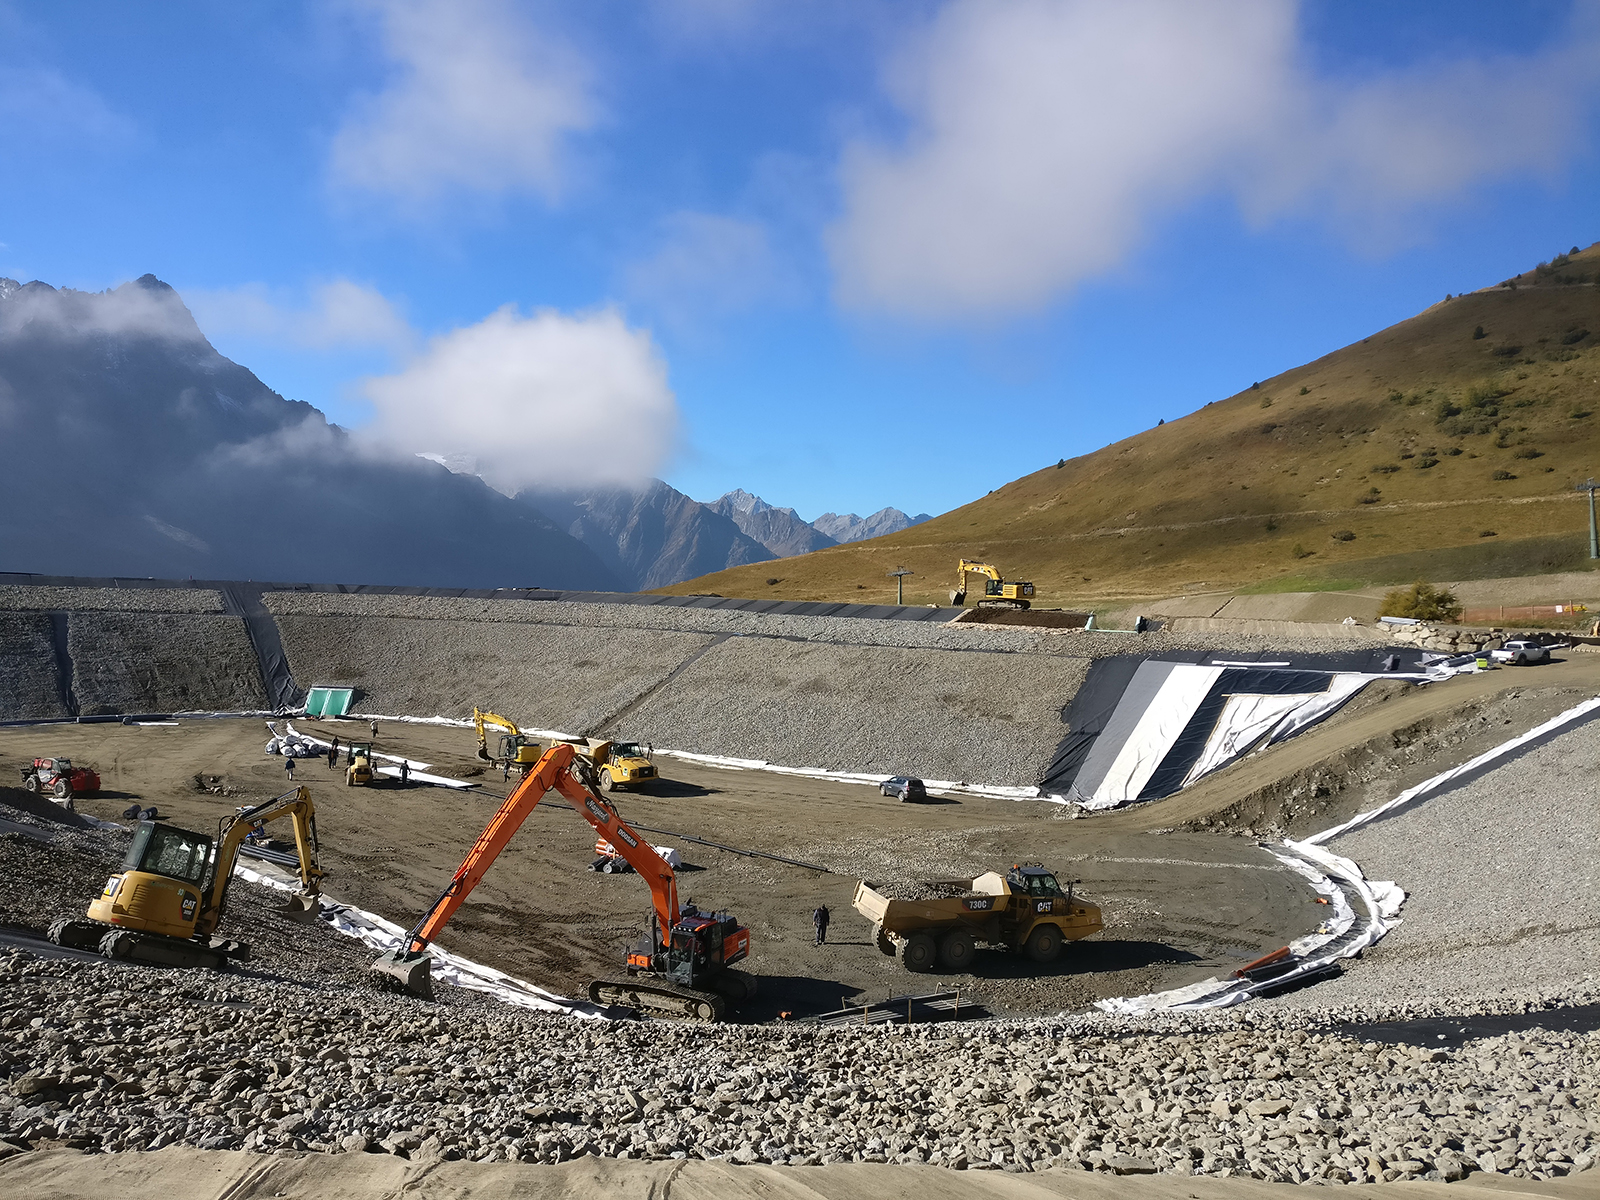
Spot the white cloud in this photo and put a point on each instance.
(338, 314)
(39, 104)
(707, 264)
(479, 101)
(549, 399)
(146, 306)
(1048, 136)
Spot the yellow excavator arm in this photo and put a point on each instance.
(481, 718)
(298, 807)
(976, 567)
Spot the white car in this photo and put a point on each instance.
(1521, 651)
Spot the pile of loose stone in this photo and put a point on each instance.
(111, 1058)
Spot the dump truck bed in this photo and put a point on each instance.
(903, 916)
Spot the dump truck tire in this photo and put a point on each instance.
(956, 950)
(606, 782)
(884, 942)
(1044, 944)
(920, 953)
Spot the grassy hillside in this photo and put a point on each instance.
(1447, 446)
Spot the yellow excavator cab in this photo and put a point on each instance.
(159, 888)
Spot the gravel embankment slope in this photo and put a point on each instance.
(542, 677)
(73, 599)
(162, 662)
(28, 684)
(116, 1058)
(1503, 884)
(843, 630)
(978, 718)
(975, 704)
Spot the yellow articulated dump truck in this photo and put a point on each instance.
(618, 764)
(1023, 910)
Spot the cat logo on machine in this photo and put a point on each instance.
(1043, 905)
(189, 905)
(978, 903)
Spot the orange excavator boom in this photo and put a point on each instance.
(410, 964)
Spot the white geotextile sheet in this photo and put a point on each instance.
(1160, 725)
(1374, 905)
(1244, 721)
(448, 968)
(1320, 704)
(1248, 719)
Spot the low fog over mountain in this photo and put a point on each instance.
(139, 450)
(136, 449)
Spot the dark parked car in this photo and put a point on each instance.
(903, 788)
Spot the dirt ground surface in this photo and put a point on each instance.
(183, 1174)
(1186, 891)
(1178, 907)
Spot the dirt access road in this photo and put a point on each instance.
(1179, 907)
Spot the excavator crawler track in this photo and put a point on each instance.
(75, 933)
(659, 1000)
(129, 945)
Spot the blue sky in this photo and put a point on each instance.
(843, 255)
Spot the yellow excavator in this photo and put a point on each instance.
(166, 903)
(997, 593)
(515, 749)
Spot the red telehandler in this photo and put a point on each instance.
(679, 968)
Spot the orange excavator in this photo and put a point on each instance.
(679, 968)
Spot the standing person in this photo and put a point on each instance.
(374, 731)
(288, 767)
(405, 772)
(819, 918)
(333, 754)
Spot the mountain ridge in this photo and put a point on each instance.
(1446, 445)
(151, 454)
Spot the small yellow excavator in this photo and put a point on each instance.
(997, 593)
(516, 749)
(166, 903)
